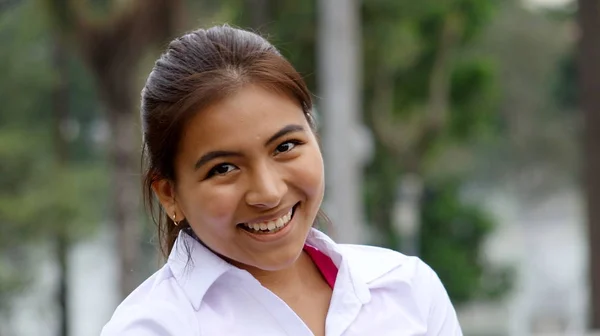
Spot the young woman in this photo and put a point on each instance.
(233, 159)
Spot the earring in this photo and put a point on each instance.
(174, 221)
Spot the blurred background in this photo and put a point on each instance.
(460, 131)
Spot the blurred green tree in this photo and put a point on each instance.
(533, 148)
(427, 95)
(458, 260)
(536, 145)
(113, 39)
(49, 182)
(428, 100)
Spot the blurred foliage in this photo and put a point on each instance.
(494, 101)
(40, 197)
(452, 238)
(403, 45)
(536, 147)
(532, 149)
(400, 43)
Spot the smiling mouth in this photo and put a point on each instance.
(271, 226)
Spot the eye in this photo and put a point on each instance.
(287, 146)
(221, 169)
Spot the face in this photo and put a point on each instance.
(249, 179)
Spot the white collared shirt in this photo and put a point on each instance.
(377, 292)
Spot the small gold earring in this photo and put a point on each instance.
(174, 221)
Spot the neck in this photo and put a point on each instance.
(301, 275)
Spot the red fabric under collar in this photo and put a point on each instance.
(323, 263)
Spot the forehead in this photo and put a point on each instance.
(252, 113)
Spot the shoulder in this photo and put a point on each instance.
(394, 273)
(156, 307)
(380, 267)
(374, 263)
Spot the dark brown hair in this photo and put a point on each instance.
(197, 69)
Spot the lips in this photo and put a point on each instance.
(269, 226)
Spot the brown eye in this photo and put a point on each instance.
(221, 169)
(287, 146)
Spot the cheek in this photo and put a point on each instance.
(211, 206)
(308, 175)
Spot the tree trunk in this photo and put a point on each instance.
(62, 251)
(112, 50)
(589, 70)
(410, 140)
(407, 213)
(339, 77)
(61, 114)
(115, 81)
(124, 162)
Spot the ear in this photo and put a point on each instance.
(165, 191)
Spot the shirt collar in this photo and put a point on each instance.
(346, 273)
(196, 268)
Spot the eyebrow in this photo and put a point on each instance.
(284, 131)
(214, 155)
(219, 154)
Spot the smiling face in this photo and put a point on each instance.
(249, 178)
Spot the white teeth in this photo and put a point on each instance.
(271, 225)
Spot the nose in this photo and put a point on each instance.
(266, 188)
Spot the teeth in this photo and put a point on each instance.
(271, 225)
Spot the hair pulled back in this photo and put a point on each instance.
(199, 69)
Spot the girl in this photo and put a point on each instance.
(233, 159)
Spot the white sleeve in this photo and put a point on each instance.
(148, 320)
(442, 319)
